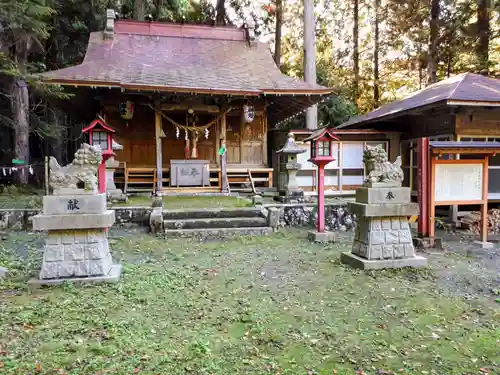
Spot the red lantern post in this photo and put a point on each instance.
(321, 154)
(101, 135)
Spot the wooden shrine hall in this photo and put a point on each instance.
(181, 98)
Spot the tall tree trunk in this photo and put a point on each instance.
(483, 33)
(19, 103)
(433, 42)
(376, 77)
(158, 4)
(18, 92)
(139, 10)
(58, 143)
(355, 51)
(421, 64)
(277, 36)
(310, 58)
(220, 13)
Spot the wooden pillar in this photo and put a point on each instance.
(424, 220)
(394, 146)
(263, 120)
(159, 157)
(484, 206)
(321, 198)
(223, 157)
(218, 138)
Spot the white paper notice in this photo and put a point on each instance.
(458, 182)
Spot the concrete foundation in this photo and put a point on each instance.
(315, 236)
(112, 277)
(367, 264)
(484, 245)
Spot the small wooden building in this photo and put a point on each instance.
(465, 107)
(176, 94)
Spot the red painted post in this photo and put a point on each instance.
(321, 198)
(101, 176)
(423, 186)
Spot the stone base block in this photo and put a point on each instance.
(394, 195)
(156, 221)
(72, 192)
(366, 264)
(383, 238)
(72, 221)
(75, 204)
(321, 236)
(77, 253)
(112, 276)
(383, 209)
(484, 245)
(116, 195)
(428, 243)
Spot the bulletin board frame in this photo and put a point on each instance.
(483, 202)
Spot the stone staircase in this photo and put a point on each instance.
(215, 223)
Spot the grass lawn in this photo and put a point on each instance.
(262, 305)
(20, 197)
(180, 202)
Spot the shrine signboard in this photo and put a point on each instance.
(458, 182)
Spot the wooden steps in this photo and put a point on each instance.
(240, 181)
(143, 179)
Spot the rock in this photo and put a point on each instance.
(257, 200)
(3, 272)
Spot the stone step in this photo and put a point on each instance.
(211, 213)
(220, 222)
(218, 233)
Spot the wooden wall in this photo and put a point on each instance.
(246, 143)
(478, 123)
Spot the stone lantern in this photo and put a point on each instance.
(101, 135)
(112, 191)
(291, 191)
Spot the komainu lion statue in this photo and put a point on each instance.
(379, 169)
(82, 170)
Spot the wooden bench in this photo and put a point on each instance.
(261, 177)
(144, 179)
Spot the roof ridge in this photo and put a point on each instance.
(464, 75)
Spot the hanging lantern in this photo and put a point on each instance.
(127, 109)
(248, 112)
(207, 133)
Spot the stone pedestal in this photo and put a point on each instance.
(323, 237)
(76, 247)
(383, 237)
(112, 191)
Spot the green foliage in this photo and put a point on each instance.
(31, 16)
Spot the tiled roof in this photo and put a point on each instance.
(458, 90)
(182, 58)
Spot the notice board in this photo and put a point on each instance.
(458, 182)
